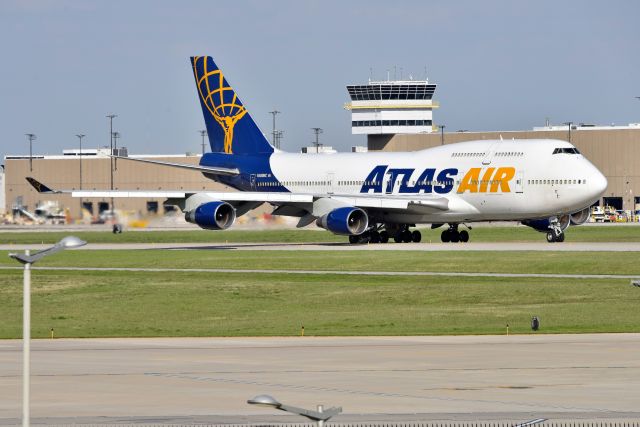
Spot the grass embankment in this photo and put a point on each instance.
(613, 233)
(122, 304)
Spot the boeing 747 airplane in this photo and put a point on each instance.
(375, 196)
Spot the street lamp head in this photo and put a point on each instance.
(22, 259)
(264, 400)
(68, 242)
(71, 242)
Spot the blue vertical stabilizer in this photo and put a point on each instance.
(230, 127)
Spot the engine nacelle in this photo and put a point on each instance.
(543, 225)
(580, 217)
(212, 216)
(347, 221)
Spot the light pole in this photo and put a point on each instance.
(116, 135)
(111, 117)
(27, 259)
(31, 137)
(319, 416)
(569, 124)
(203, 133)
(279, 136)
(317, 131)
(80, 136)
(273, 133)
(442, 134)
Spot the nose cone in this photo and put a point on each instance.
(598, 183)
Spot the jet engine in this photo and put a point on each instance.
(580, 217)
(212, 216)
(347, 221)
(544, 224)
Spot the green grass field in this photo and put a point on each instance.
(117, 304)
(610, 233)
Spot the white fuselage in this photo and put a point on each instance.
(482, 180)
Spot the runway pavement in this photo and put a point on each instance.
(438, 379)
(499, 246)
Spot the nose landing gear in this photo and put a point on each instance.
(555, 233)
(555, 236)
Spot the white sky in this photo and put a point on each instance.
(499, 65)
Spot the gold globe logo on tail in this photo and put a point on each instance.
(212, 88)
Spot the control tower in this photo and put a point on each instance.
(392, 107)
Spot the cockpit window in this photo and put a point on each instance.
(566, 151)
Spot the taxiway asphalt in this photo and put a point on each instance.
(435, 379)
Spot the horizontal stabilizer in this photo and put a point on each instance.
(40, 187)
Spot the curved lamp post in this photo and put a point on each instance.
(319, 416)
(68, 242)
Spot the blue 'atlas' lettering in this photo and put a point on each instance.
(445, 180)
(424, 183)
(393, 174)
(374, 180)
(427, 182)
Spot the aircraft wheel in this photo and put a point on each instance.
(560, 238)
(374, 237)
(406, 236)
(551, 237)
(398, 237)
(384, 237)
(416, 236)
(464, 236)
(455, 236)
(354, 239)
(445, 236)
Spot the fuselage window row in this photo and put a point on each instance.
(414, 183)
(556, 181)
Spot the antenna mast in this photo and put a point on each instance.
(275, 140)
(317, 132)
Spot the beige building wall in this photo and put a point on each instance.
(64, 173)
(616, 152)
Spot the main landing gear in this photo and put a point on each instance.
(404, 235)
(382, 234)
(453, 235)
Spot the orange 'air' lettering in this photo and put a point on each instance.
(485, 179)
(470, 181)
(502, 178)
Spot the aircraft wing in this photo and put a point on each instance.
(416, 204)
(208, 169)
(240, 196)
